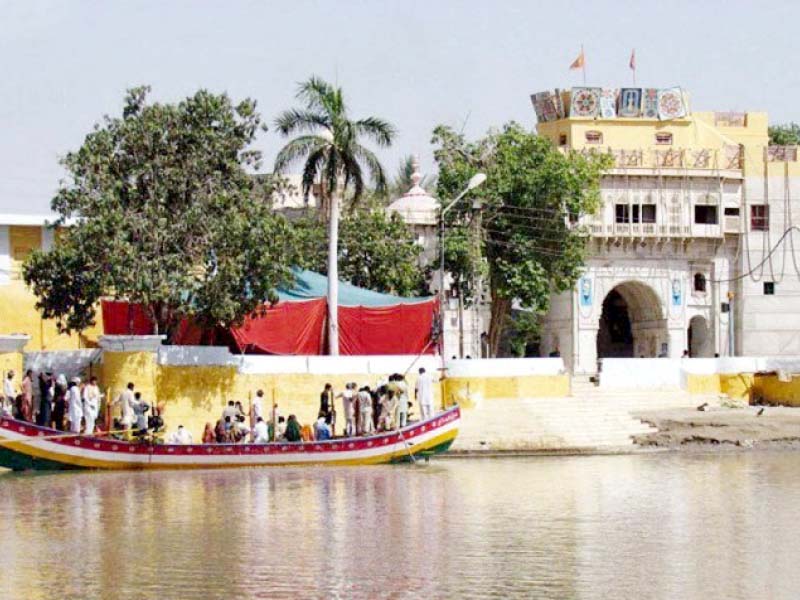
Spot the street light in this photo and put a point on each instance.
(474, 182)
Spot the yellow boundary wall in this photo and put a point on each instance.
(194, 395)
(467, 391)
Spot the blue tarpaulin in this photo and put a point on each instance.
(308, 285)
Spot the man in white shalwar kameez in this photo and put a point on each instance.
(424, 393)
(9, 393)
(75, 410)
(125, 402)
(91, 404)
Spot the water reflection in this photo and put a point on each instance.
(664, 526)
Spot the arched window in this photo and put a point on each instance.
(699, 282)
(594, 137)
(664, 139)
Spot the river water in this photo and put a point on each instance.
(636, 526)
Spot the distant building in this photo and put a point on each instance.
(463, 327)
(19, 236)
(691, 210)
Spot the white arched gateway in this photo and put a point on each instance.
(632, 323)
(643, 314)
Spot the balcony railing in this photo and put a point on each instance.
(654, 230)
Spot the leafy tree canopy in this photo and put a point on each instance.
(165, 215)
(531, 200)
(784, 135)
(377, 251)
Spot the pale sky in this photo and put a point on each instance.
(468, 64)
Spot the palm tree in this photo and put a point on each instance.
(333, 155)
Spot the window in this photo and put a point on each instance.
(664, 139)
(644, 213)
(562, 139)
(731, 212)
(594, 137)
(648, 213)
(759, 217)
(769, 288)
(699, 282)
(705, 215)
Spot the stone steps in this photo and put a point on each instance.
(591, 418)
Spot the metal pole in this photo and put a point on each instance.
(333, 276)
(731, 327)
(441, 280)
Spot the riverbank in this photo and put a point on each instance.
(740, 428)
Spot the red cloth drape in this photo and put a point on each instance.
(399, 329)
(115, 318)
(286, 328)
(298, 328)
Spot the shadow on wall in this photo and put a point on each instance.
(769, 389)
(741, 385)
(205, 388)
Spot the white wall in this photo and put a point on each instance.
(505, 367)
(650, 373)
(72, 363)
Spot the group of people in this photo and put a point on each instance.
(74, 406)
(63, 405)
(366, 410)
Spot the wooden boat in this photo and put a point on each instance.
(24, 446)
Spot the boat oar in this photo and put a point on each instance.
(47, 438)
(408, 448)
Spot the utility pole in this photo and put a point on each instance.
(333, 275)
(731, 326)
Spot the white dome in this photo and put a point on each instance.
(416, 206)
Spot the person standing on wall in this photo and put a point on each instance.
(424, 394)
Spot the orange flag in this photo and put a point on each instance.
(579, 62)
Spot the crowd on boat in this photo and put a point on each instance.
(364, 411)
(63, 405)
(74, 406)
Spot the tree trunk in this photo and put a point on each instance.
(333, 276)
(500, 310)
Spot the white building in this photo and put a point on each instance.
(693, 210)
(463, 325)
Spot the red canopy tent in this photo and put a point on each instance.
(378, 324)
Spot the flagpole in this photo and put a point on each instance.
(583, 65)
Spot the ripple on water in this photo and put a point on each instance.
(619, 526)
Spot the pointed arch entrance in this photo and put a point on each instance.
(632, 322)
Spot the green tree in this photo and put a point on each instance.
(377, 251)
(164, 215)
(531, 201)
(784, 135)
(332, 154)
